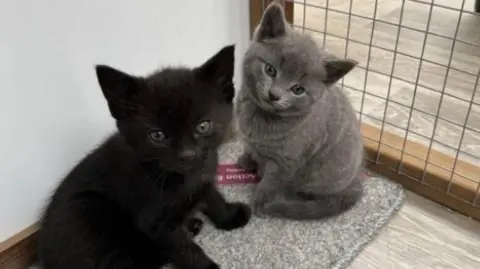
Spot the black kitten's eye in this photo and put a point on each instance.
(270, 70)
(297, 90)
(156, 136)
(204, 127)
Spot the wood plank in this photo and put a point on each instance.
(424, 235)
(19, 251)
(436, 179)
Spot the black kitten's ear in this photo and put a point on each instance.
(337, 69)
(120, 90)
(273, 23)
(219, 69)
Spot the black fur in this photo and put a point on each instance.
(129, 203)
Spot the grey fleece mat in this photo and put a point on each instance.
(282, 244)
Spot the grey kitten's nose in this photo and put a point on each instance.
(187, 154)
(273, 97)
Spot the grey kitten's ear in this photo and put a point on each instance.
(219, 69)
(120, 90)
(273, 23)
(337, 69)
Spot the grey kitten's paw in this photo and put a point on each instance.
(260, 201)
(246, 162)
(261, 210)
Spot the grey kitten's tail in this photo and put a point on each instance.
(304, 206)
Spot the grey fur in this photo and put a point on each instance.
(306, 147)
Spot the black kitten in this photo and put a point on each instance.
(129, 203)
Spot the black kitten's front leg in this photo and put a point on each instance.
(186, 254)
(270, 187)
(174, 238)
(225, 215)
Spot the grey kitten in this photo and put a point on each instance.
(300, 132)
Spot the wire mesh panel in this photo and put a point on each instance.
(416, 87)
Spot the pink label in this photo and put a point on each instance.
(232, 174)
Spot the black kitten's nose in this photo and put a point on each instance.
(187, 154)
(273, 97)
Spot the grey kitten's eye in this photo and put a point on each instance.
(204, 127)
(270, 70)
(297, 90)
(156, 136)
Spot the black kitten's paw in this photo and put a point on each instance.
(239, 215)
(246, 162)
(194, 225)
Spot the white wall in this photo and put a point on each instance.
(51, 109)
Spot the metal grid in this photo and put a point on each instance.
(418, 75)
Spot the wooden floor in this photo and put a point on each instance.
(424, 235)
